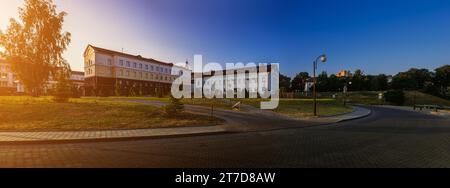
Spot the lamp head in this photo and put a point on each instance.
(323, 58)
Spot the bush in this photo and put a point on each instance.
(63, 91)
(396, 97)
(174, 108)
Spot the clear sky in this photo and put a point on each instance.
(378, 36)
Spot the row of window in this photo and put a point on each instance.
(141, 66)
(89, 72)
(5, 68)
(136, 65)
(145, 75)
(4, 84)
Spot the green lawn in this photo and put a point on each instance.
(33, 114)
(291, 107)
(424, 99)
(371, 98)
(299, 108)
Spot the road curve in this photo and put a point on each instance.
(387, 138)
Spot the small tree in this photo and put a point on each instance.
(396, 97)
(174, 108)
(64, 87)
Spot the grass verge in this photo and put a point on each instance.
(42, 114)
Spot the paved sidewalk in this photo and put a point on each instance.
(107, 134)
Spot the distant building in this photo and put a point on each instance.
(309, 83)
(109, 72)
(77, 79)
(344, 73)
(9, 85)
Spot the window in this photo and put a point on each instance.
(135, 74)
(134, 65)
(128, 73)
(128, 64)
(153, 68)
(146, 67)
(140, 65)
(140, 74)
(109, 62)
(121, 63)
(121, 72)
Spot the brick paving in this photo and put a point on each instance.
(387, 138)
(107, 134)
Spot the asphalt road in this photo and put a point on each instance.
(387, 138)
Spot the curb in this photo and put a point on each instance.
(360, 117)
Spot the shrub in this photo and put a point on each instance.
(396, 97)
(63, 90)
(174, 108)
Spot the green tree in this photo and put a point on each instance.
(442, 80)
(35, 44)
(357, 81)
(64, 86)
(285, 83)
(382, 81)
(413, 79)
(334, 83)
(323, 83)
(299, 81)
(402, 81)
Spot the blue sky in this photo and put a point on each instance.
(378, 36)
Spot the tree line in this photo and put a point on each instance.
(433, 82)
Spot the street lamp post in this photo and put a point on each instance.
(323, 59)
(345, 92)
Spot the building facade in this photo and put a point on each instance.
(239, 80)
(9, 84)
(344, 73)
(109, 73)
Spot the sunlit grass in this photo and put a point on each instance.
(31, 114)
(299, 108)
